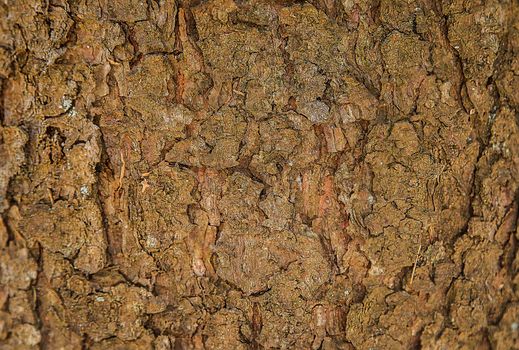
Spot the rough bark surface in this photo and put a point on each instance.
(259, 174)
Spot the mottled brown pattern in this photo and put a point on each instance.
(231, 174)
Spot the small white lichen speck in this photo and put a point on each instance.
(151, 242)
(84, 190)
(66, 104)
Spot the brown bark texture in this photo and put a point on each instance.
(231, 174)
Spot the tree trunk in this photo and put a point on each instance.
(259, 174)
